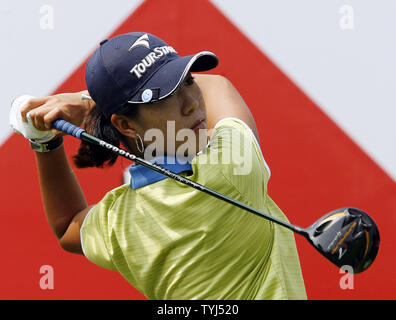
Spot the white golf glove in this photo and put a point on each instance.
(26, 128)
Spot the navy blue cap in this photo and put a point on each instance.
(138, 67)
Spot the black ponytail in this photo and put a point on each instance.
(90, 155)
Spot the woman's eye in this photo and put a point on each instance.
(189, 81)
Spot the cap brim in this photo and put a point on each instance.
(169, 77)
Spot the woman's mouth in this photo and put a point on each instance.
(201, 124)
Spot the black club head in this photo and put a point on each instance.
(346, 237)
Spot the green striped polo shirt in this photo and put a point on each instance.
(171, 241)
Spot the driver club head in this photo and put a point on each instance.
(346, 237)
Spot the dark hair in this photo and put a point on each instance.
(95, 123)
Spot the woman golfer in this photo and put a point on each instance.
(168, 240)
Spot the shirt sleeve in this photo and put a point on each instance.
(240, 157)
(93, 239)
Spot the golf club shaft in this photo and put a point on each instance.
(81, 134)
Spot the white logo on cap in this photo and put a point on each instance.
(139, 69)
(147, 95)
(141, 41)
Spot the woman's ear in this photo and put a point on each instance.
(124, 125)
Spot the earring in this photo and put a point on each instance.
(141, 149)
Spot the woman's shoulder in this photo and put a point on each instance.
(114, 195)
(204, 80)
(223, 100)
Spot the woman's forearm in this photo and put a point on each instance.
(61, 193)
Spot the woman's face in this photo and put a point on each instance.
(183, 110)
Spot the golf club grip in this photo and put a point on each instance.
(68, 128)
(81, 134)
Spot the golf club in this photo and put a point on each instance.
(346, 236)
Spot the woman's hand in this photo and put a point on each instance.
(67, 106)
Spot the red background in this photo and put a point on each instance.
(315, 167)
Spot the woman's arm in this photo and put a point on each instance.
(64, 202)
(223, 100)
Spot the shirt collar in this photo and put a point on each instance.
(142, 176)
